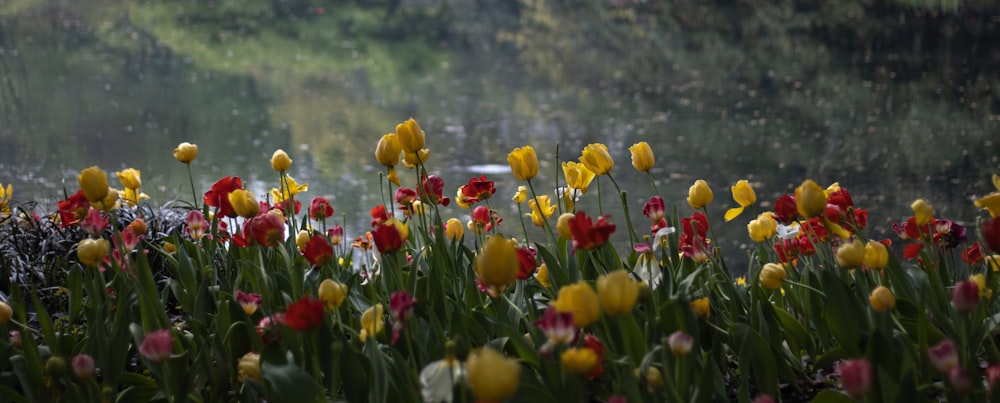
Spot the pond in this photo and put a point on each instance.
(895, 102)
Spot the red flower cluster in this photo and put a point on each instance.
(477, 190)
(693, 242)
(434, 189)
(528, 263)
(320, 209)
(73, 209)
(656, 210)
(318, 250)
(305, 314)
(218, 196)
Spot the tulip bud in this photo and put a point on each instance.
(523, 163)
(943, 356)
(762, 228)
(642, 156)
(701, 308)
(876, 255)
(542, 275)
(94, 183)
(157, 346)
(186, 152)
(959, 379)
(654, 379)
(280, 161)
(851, 255)
(582, 301)
(882, 299)
(772, 276)
(810, 199)
(578, 360)
(13, 335)
(410, 136)
(492, 377)
(5, 313)
(699, 194)
(922, 212)
(521, 195)
(965, 296)
(680, 343)
(856, 377)
(497, 264)
(332, 294)
(55, 366)
(388, 149)
(618, 292)
(244, 203)
(83, 366)
(131, 178)
(249, 367)
(91, 252)
(454, 229)
(562, 226)
(302, 239)
(597, 159)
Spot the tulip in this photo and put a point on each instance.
(497, 263)
(772, 276)
(249, 302)
(743, 195)
(991, 234)
(332, 294)
(582, 301)
(267, 229)
(410, 136)
(318, 250)
(943, 356)
(388, 149)
(851, 255)
(391, 235)
(302, 239)
(542, 275)
(990, 202)
(965, 296)
(280, 160)
(94, 183)
(55, 366)
(577, 176)
(244, 203)
(654, 380)
(453, 229)
(157, 346)
(562, 226)
(372, 322)
(249, 367)
(876, 255)
(90, 252)
(699, 194)
(810, 199)
(186, 152)
(642, 156)
(83, 366)
(438, 380)
(131, 178)
(5, 313)
(980, 280)
(6, 195)
(856, 377)
(523, 163)
(491, 377)
(521, 195)
(618, 292)
(763, 227)
(578, 360)
(922, 212)
(882, 299)
(14, 336)
(320, 208)
(992, 374)
(558, 328)
(541, 208)
(411, 160)
(701, 308)
(218, 195)
(305, 314)
(597, 159)
(587, 234)
(680, 343)
(959, 379)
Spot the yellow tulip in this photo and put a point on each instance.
(810, 199)
(523, 163)
(851, 255)
(772, 276)
(980, 280)
(371, 320)
(302, 239)
(562, 226)
(94, 183)
(743, 195)
(922, 211)
(410, 135)
(91, 252)
(541, 210)
(699, 194)
(132, 196)
(454, 229)
(701, 308)
(542, 275)
(763, 227)
(642, 156)
(249, 367)
(6, 195)
(876, 255)
(597, 159)
(882, 299)
(654, 379)
(131, 178)
(497, 262)
(577, 176)
(186, 152)
(169, 247)
(618, 292)
(110, 200)
(491, 377)
(5, 313)
(521, 195)
(392, 176)
(332, 294)
(290, 189)
(280, 161)
(579, 360)
(411, 160)
(582, 301)
(990, 202)
(993, 262)
(388, 149)
(244, 203)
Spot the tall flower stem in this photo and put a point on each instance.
(194, 193)
(545, 220)
(628, 219)
(653, 183)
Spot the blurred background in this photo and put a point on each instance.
(895, 99)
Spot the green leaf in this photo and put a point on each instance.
(845, 320)
(10, 394)
(288, 382)
(756, 352)
(795, 334)
(831, 396)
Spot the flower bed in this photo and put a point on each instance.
(237, 298)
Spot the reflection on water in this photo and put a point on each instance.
(121, 86)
